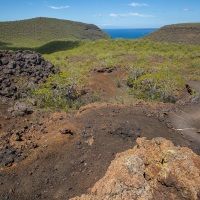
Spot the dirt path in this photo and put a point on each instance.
(110, 86)
(66, 165)
(186, 119)
(63, 155)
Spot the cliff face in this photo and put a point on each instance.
(153, 169)
(188, 33)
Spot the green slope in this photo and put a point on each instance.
(38, 31)
(187, 33)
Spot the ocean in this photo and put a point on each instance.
(129, 33)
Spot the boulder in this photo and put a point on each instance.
(4, 61)
(11, 65)
(153, 169)
(7, 71)
(109, 69)
(20, 109)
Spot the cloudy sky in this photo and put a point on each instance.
(106, 13)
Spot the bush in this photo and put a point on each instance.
(136, 72)
(162, 85)
(59, 92)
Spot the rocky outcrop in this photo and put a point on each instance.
(109, 69)
(153, 169)
(20, 71)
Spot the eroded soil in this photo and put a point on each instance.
(62, 155)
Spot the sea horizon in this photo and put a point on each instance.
(129, 33)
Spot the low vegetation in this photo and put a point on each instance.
(154, 71)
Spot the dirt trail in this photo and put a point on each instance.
(186, 119)
(66, 165)
(107, 83)
(62, 155)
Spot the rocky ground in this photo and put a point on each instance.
(46, 155)
(147, 169)
(20, 71)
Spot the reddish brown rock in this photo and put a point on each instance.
(153, 169)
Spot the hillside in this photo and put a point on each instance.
(65, 118)
(37, 31)
(187, 33)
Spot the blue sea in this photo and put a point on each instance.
(129, 33)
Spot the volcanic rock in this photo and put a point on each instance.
(153, 169)
(20, 109)
(18, 69)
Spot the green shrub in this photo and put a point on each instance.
(59, 92)
(135, 73)
(162, 85)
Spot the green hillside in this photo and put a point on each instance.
(187, 33)
(38, 31)
(151, 71)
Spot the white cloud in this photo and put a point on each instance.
(58, 7)
(138, 4)
(115, 15)
(138, 15)
(130, 14)
(186, 9)
(98, 15)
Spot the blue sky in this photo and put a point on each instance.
(106, 13)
